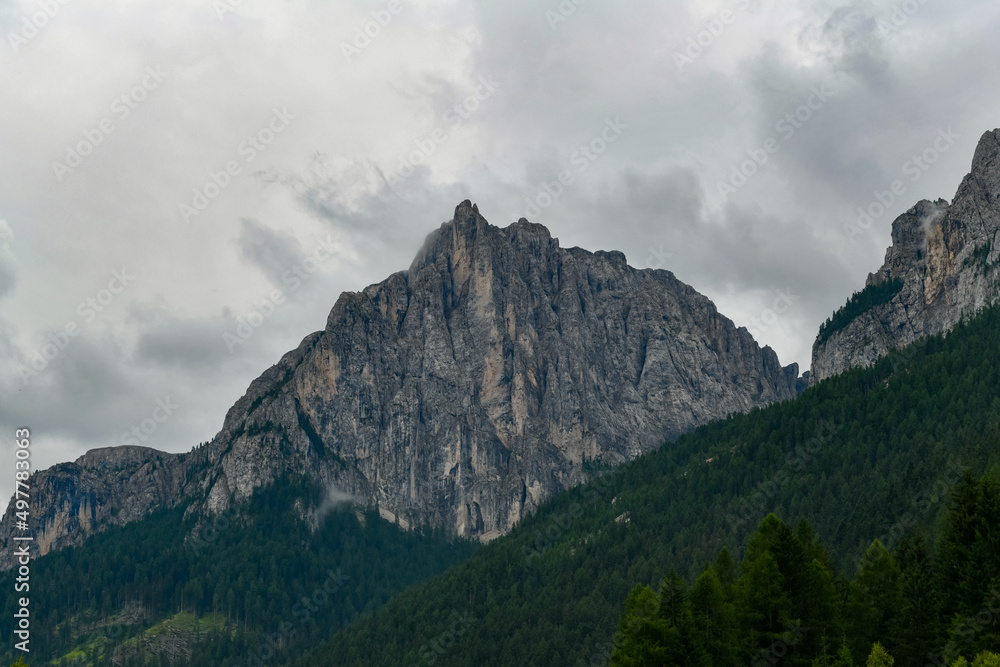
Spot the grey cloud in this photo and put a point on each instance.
(272, 251)
(8, 277)
(8, 274)
(655, 188)
(194, 345)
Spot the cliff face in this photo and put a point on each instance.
(946, 258)
(467, 389)
(109, 486)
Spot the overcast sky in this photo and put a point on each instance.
(121, 228)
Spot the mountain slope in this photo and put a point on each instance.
(263, 582)
(461, 392)
(871, 453)
(942, 267)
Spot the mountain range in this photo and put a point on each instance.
(469, 393)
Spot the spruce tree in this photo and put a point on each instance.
(873, 600)
(879, 657)
(715, 618)
(675, 612)
(917, 633)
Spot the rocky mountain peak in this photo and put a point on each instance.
(942, 266)
(498, 370)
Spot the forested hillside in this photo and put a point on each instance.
(786, 602)
(252, 587)
(871, 454)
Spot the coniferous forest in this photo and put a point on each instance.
(855, 524)
(872, 454)
(786, 601)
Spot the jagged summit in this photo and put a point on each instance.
(942, 267)
(461, 392)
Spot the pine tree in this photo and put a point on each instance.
(873, 600)
(844, 658)
(955, 567)
(879, 657)
(715, 618)
(675, 612)
(987, 659)
(725, 568)
(633, 642)
(917, 631)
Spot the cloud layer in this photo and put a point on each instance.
(221, 152)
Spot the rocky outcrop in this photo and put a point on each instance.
(494, 372)
(109, 486)
(945, 256)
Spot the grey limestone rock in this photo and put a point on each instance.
(462, 392)
(946, 257)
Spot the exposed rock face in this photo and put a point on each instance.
(469, 388)
(109, 486)
(945, 255)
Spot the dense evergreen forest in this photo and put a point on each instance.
(786, 602)
(258, 584)
(871, 454)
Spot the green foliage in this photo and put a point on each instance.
(863, 456)
(879, 657)
(860, 302)
(258, 571)
(866, 455)
(987, 659)
(873, 599)
(844, 658)
(773, 588)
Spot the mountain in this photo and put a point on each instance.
(498, 370)
(942, 267)
(874, 453)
